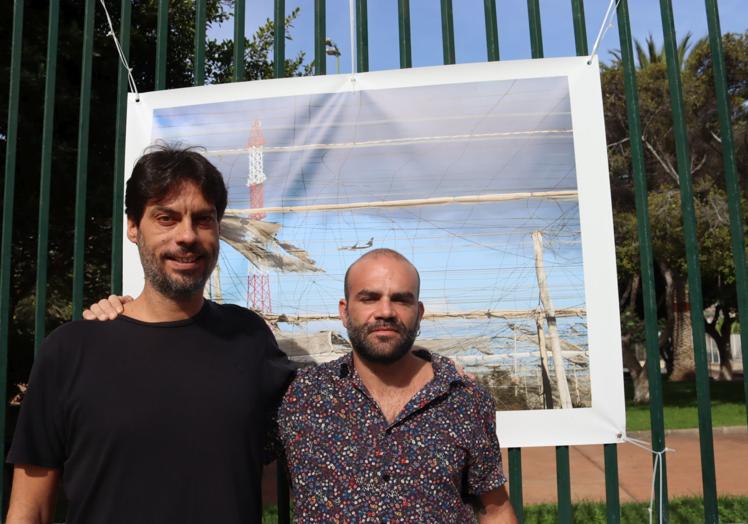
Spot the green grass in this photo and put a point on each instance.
(680, 408)
(686, 510)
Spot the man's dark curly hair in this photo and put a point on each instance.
(163, 169)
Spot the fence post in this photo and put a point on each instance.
(448, 32)
(320, 38)
(239, 10)
(362, 37)
(731, 179)
(403, 24)
(6, 248)
(692, 258)
(79, 241)
(492, 30)
(118, 190)
(646, 264)
(45, 179)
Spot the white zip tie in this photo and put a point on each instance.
(604, 27)
(122, 58)
(657, 474)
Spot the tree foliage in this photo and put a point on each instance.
(710, 200)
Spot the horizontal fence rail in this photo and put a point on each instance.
(88, 148)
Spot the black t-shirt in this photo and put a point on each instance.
(155, 422)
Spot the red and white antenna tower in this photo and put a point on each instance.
(258, 282)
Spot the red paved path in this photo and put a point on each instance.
(634, 465)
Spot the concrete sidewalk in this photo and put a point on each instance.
(634, 469)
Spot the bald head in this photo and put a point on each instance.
(380, 253)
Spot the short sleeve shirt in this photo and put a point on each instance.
(155, 422)
(348, 464)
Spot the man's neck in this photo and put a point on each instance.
(393, 385)
(395, 375)
(152, 306)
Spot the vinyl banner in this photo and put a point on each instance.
(491, 178)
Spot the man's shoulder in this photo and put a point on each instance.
(235, 318)
(316, 377)
(233, 311)
(466, 390)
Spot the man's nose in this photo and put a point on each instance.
(385, 309)
(186, 233)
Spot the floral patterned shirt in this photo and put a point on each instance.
(349, 465)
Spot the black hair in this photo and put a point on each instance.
(163, 169)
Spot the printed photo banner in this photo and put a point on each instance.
(491, 178)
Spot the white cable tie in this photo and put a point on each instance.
(604, 27)
(657, 475)
(121, 53)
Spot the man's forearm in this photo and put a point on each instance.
(33, 495)
(496, 508)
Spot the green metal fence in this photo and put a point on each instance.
(46, 129)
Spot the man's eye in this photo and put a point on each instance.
(164, 219)
(207, 221)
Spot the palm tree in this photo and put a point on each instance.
(648, 53)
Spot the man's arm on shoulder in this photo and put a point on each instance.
(32, 498)
(495, 507)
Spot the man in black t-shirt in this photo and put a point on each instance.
(159, 416)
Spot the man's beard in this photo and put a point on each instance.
(382, 352)
(179, 286)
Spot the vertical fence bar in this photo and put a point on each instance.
(81, 179)
(692, 259)
(279, 46)
(362, 36)
(536, 36)
(580, 27)
(320, 37)
(403, 25)
(200, 21)
(515, 482)
(646, 263)
(492, 30)
(6, 249)
(119, 150)
(239, 40)
(448, 32)
(45, 179)
(731, 177)
(162, 35)
(563, 484)
(612, 498)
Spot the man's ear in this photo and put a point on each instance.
(421, 310)
(132, 230)
(342, 304)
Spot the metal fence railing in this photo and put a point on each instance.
(10, 258)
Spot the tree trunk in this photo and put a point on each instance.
(684, 364)
(722, 340)
(636, 370)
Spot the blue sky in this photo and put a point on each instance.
(514, 42)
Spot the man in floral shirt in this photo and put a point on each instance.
(387, 433)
